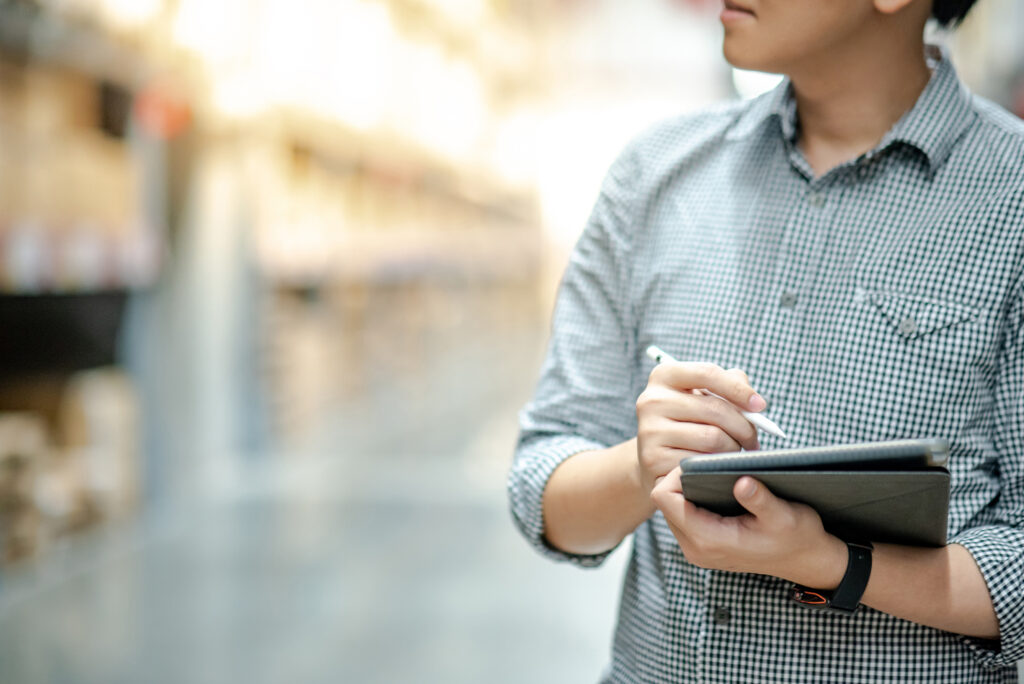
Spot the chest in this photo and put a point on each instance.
(858, 308)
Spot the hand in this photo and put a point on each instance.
(777, 537)
(675, 419)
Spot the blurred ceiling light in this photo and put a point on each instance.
(216, 31)
(448, 107)
(329, 57)
(351, 83)
(753, 83)
(240, 95)
(130, 14)
(464, 12)
(514, 155)
(340, 59)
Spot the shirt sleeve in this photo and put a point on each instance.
(583, 398)
(997, 540)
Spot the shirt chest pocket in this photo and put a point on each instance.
(898, 363)
(913, 317)
(931, 349)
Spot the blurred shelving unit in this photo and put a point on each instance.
(226, 217)
(71, 217)
(75, 242)
(384, 219)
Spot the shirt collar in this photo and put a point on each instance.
(933, 125)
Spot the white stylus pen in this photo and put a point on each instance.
(757, 419)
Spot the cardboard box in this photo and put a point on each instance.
(100, 439)
(23, 446)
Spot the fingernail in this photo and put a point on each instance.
(748, 488)
(757, 403)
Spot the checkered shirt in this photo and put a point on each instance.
(882, 300)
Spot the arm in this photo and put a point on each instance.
(572, 495)
(583, 400)
(941, 588)
(594, 499)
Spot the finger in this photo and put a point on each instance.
(688, 522)
(742, 373)
(661, 460)
(739, 373)
(758, 500)
(667, 495)
(728, 385)
(670, 484)
(717, 424)
(702, 438)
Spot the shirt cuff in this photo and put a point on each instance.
(999, 553)
(535, 461)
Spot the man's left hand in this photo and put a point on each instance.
(776, 537)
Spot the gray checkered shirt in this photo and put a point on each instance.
(882, 300)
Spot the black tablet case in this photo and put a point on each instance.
(879, 492)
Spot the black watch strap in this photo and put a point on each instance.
(846, 597)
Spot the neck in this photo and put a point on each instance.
(848, 100)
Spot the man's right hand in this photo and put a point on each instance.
(676, 420)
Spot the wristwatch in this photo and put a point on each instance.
(846, 597)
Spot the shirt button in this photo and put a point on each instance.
(908, 326)
(863, 170)
(788, 299)
(816, 199)
(721, 616)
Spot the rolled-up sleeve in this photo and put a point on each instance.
(583, 398)
(997, 541)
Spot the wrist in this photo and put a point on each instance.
(825, 568)
(847, 596)
(638, 479)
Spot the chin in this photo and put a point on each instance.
(748, 58)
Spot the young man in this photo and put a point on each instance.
(852, 242)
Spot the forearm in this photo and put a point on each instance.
(594, 499)
(941, 588)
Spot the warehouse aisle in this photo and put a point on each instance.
(390, 560)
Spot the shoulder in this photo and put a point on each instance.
(993, 173)
(999, 136)
(667, 141)
(677, 145)
(997, 121)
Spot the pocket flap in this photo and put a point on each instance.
(912, 316)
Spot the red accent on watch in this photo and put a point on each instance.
(846, 597)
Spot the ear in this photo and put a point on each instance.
(892, 6)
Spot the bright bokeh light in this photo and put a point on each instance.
(130, 14)
(464, 12)
(217, 31)
(342, 60)
(347, 61)
(515, 147)
(444, 107)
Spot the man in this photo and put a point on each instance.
(852, 241)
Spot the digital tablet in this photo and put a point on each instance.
(895, 491)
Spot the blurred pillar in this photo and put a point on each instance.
(191, 339)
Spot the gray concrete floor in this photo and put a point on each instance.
(389, 558)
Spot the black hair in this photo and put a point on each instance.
(951, 12)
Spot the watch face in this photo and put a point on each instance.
(810, 597)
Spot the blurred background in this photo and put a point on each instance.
(275, 278)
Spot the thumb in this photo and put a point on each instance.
(756, 498)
